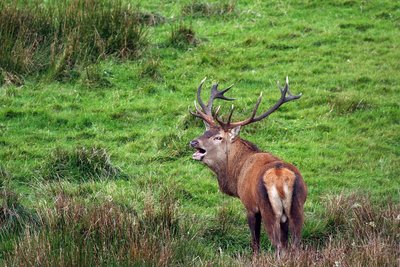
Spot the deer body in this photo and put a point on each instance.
(271, 190)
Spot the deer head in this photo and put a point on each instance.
(214, 145)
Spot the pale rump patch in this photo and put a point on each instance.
(275, 201)
(287, 201)
(279, 183)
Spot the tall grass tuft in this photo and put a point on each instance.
(358, 234)
(94, 77)
(13, 215)
(204, 9)
(355, 217)
(151, 18)
(183, 36)
(81, 164)
(104, 234)
(60, 35)
(151, 69)
(5, 176)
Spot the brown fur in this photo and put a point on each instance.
(279, 177)
(271, 190)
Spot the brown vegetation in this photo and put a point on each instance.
(357, 233)
(360, 234)
(59, 37)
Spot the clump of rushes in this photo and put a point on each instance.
(204, 9)
(4, 176)
(8, 78)
(13, 215)
(346, 103)
(103, 234)
(183, 36)
(59, 36)
(151, 69)
(81, 164)
(358, 234)
(150, 18)
(95, 77)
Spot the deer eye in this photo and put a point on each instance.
(219, 138)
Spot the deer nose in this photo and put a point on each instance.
(194, 143)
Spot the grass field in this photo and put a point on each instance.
(96, 167)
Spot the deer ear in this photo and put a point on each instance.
(234, 132)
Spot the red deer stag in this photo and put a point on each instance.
(270, 189)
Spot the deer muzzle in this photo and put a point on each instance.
(200, 152)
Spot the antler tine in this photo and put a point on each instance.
(220, 121)
(286, 96)
(253, 114)
(200, 114)
(206, 110)
(230, 114)
(220, 94)
(216, 112)
(285, 90)
(201, 103)
(197, 113)
(244, 122)
(217, 94)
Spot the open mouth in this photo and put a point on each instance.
(199, 154)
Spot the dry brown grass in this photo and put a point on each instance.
(359, 233)
(72, 234)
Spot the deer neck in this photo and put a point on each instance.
(228, 169)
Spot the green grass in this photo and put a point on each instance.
(343, 134)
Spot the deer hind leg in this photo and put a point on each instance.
(271, 224)
(279, 233)
(296, 220)
(286, 217)
(271, 212)
(296, 217)
(273, 216)
(267, 213)
(279, 182)
(284, 233)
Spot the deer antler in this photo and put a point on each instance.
(286, 96)
(206, 110)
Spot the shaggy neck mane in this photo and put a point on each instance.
(249, 145)
(229, 171)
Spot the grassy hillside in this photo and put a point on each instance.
(96, 167)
